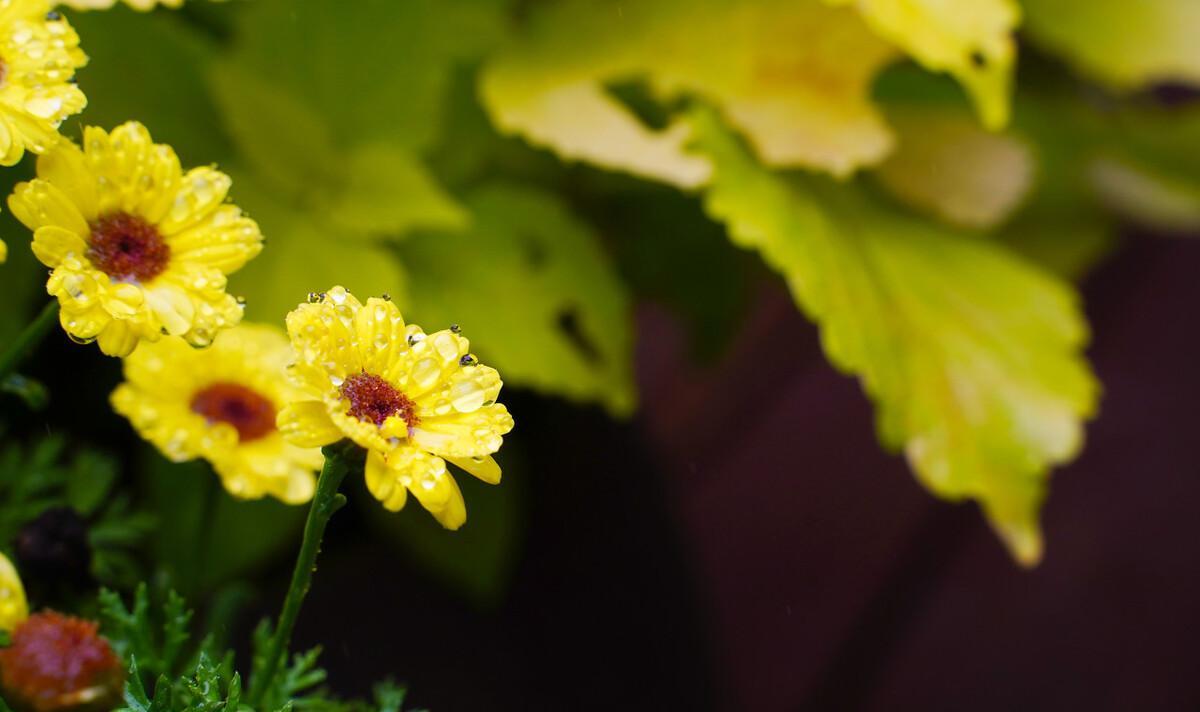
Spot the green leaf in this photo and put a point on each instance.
(32, 392)
(161, 84)
(970, 39)
(379, 72)
(391, 193)
(946, 165)
(306, 255)
(532, 287)
(973, 358)
(793, 75)
(1126, 44)
(288, 144)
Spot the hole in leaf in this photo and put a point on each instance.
(568, 322)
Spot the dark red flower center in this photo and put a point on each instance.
(127, 248)
(250, 413)
(57, 662)
(374, 400)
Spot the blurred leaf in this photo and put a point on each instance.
(532, 288)
(793, 75)
(305, 255)
(287, 143)
(377, 73)
(391, 193)
(150, 67)
(1127, 44)
(974, 359)
(206, 536)
(970, 39)
(91, 480)
(33, 393)
(947, 165)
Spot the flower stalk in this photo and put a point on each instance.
(340, 458)
(27, 339)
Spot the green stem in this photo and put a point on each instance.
(28, 338)
(339, 458)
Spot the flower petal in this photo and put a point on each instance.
(39, 203)
(384, 483)
(307, 424)
(464, 434)
(485, 468)
(52, 243)
(201, 192)
(380, 333)
(225, 241)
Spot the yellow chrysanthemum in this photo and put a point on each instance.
(13, 608)
(138, 247)
(411, 400)
(39, 53)
(140, 5)
(220, 403)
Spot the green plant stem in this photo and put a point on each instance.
(339, 459)
(28, 338)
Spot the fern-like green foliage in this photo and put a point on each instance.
(168, 672)
(39, 477)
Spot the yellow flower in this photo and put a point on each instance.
(39, 53)
(138, 248)
(220, 403)
(411, 400)
(13, 608)
(139, 5)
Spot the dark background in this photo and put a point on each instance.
(744, 543)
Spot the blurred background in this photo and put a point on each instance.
(699, 511)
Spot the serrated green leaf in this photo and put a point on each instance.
(970, 39)
(793, 75)
(1127, 44)
(973, 358)
(531, 286)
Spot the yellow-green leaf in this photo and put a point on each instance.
(970, 39)
(390, 192)
(973, 358)
(304, 255)
(1127, 43)
(793, 75)
(946, 165)
(530, 286)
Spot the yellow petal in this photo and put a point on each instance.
(118, 339)
(136, 175)
(52, 243)
(13, 607)
(201, 192)
(66, 167)
(307, 424)
(473, 434)
(380, 333)
(485, 468)
(384, 483)
(434, 487)
(226, 240)
(172, 307)
(39, 203)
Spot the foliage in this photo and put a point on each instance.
(170, 673)
(36, 479)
